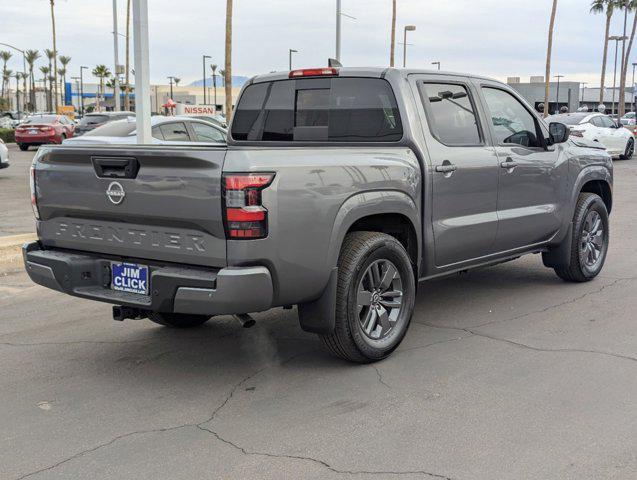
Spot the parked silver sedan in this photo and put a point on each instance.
(165, 130)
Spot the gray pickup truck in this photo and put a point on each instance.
(338, 191)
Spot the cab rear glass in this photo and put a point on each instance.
(318, 110)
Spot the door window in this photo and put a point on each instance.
(175, 132)
(207, 133)
(512, 122)
(607, 122)
(450, 114)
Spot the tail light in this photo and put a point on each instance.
(34, 200)
(46, 129)
(245, 216)
(314, 72)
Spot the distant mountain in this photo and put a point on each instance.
(237, 81)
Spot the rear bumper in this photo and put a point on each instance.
(202, 291)
(39, 139)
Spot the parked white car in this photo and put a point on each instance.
(597, 127)
(4, 155)
(175, 130)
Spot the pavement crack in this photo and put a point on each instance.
(380, 376)
(320, 462)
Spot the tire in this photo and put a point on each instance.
(24, 147)
(369, 324)
(178, 320)
(587, 256)
(630, 149)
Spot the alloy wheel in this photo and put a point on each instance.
(592, 240)
(379, 299)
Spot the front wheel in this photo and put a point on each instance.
(375, 297)
(589, 240)
(178, 320)
(630, 150)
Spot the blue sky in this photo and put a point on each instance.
(497, 38)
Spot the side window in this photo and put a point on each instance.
(207, 133)
(156, 132)
(607, 122)
(450, 114)
(175, 132)
(512, 122)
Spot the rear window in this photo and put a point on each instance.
(40, 119)
(318, 110)
(120, 128)
(566, 119)
(93, 119)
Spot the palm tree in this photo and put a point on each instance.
(4, 56)
(547, 80)
(101, 72)
(127, 78)
(25, 103)
(222, 74)
(228, 65)
(64, 60)
(393, 33)
(176, 80)
(55, 61)
(630, 5)
(6, 77)
(45, 75)
(31, 56)
(50, 55)
(607, 6)
(213, 67)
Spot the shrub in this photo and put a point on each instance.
(7, 134)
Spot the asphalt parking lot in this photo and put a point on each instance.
(506, 373)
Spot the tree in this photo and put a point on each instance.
(64, 60)
(31, 56)
(213, 67)
(176, 80)
(547, 80)
(55, 61)
(630, 5)
(50, 55)
(6, 77)
(393, 34)
(45, 76)
(4, 56)
(228, 64)
(127, 90)
(101, 72)
(600, 6)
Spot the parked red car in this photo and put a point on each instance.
(39, 129)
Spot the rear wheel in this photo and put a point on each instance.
(630, 150)
(589, 240)
(24, 147)
(375, 298)
(178, 320)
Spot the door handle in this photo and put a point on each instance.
(509, 164)
(446, 168)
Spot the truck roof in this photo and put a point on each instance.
(372, 72)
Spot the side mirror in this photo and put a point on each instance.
(559, 132)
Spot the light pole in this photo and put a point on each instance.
(204, 77)
(583, 90)
(617, 39)
(142, 71)
(291, 51)
(338, 31)
(436, 63)
(408, 28)
(634, 86)
(116, 90)
(170, 80)
(557, 99)
(82, 88)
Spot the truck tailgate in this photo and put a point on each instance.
(148, 202)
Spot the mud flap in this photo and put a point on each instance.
(319, 316)
(560, 256)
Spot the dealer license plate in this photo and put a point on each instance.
(129, 277)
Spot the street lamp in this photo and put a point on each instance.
(557, 99)
(204, 77)
(82, 88)
(170, 80)
(339, 14)
(116, 91)
(436, 63)
(291, 51)
(583, 90)
(408, 28)
(617, 39)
